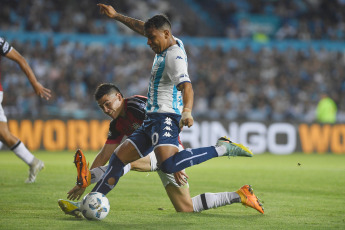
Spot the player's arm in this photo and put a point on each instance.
(104, 155)
(177, 70)
(132, 23)
(101, 159)
(14, 55)
(188, 98)
(181, 177)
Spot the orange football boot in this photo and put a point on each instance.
(84, 175)
(249, 199)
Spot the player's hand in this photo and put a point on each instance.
(41, 91)
(186, 119)
(181, 177)
(75, 193)
(107, 9)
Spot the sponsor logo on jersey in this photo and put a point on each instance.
(183, 75)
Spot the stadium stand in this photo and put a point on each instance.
(271, 61)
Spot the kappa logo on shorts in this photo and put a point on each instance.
(166, 134)
(168, 121)
(167, 128)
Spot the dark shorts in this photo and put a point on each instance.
(157, 129)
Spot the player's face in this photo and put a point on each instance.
(111, 104)
(157, 39)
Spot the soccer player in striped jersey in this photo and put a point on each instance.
(6, 137)
(169, 106)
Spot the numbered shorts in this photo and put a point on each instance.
(158, 129)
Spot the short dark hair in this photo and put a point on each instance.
(158, 22)
(106, 88)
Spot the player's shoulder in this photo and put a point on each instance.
(176, 54)
(177, 51)
(136, 98)
(136, 105)
(136, 102)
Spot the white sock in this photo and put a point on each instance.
(221, 150)
(97, 173)
(126, 169)
(22, 152)
(214, 200)
(153, 160)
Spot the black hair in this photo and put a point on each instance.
(105, 88)
(158, 22)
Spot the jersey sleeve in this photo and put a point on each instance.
(176, 65)
(5, 47)
(114, 136)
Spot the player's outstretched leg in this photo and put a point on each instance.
(189, 157)
(35, 167)
(249, 199)
(233, 149)
(70, 208)
(84, 175)
(111, 176)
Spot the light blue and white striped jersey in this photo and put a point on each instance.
(169, 69)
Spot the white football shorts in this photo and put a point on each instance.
(166, 178)
(3, 118)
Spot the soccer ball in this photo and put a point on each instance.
(95, 206)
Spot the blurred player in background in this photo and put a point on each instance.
(6, 136)
(326, 110)
(128, 115)
(168, 108)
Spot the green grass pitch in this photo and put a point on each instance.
(298, 191)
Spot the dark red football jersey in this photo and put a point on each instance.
(125, 126)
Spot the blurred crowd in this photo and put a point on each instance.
(293, 19)
(75, 16)
(235, 84)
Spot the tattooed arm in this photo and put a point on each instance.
(134, 24)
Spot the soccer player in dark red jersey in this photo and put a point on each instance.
(128, 114)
